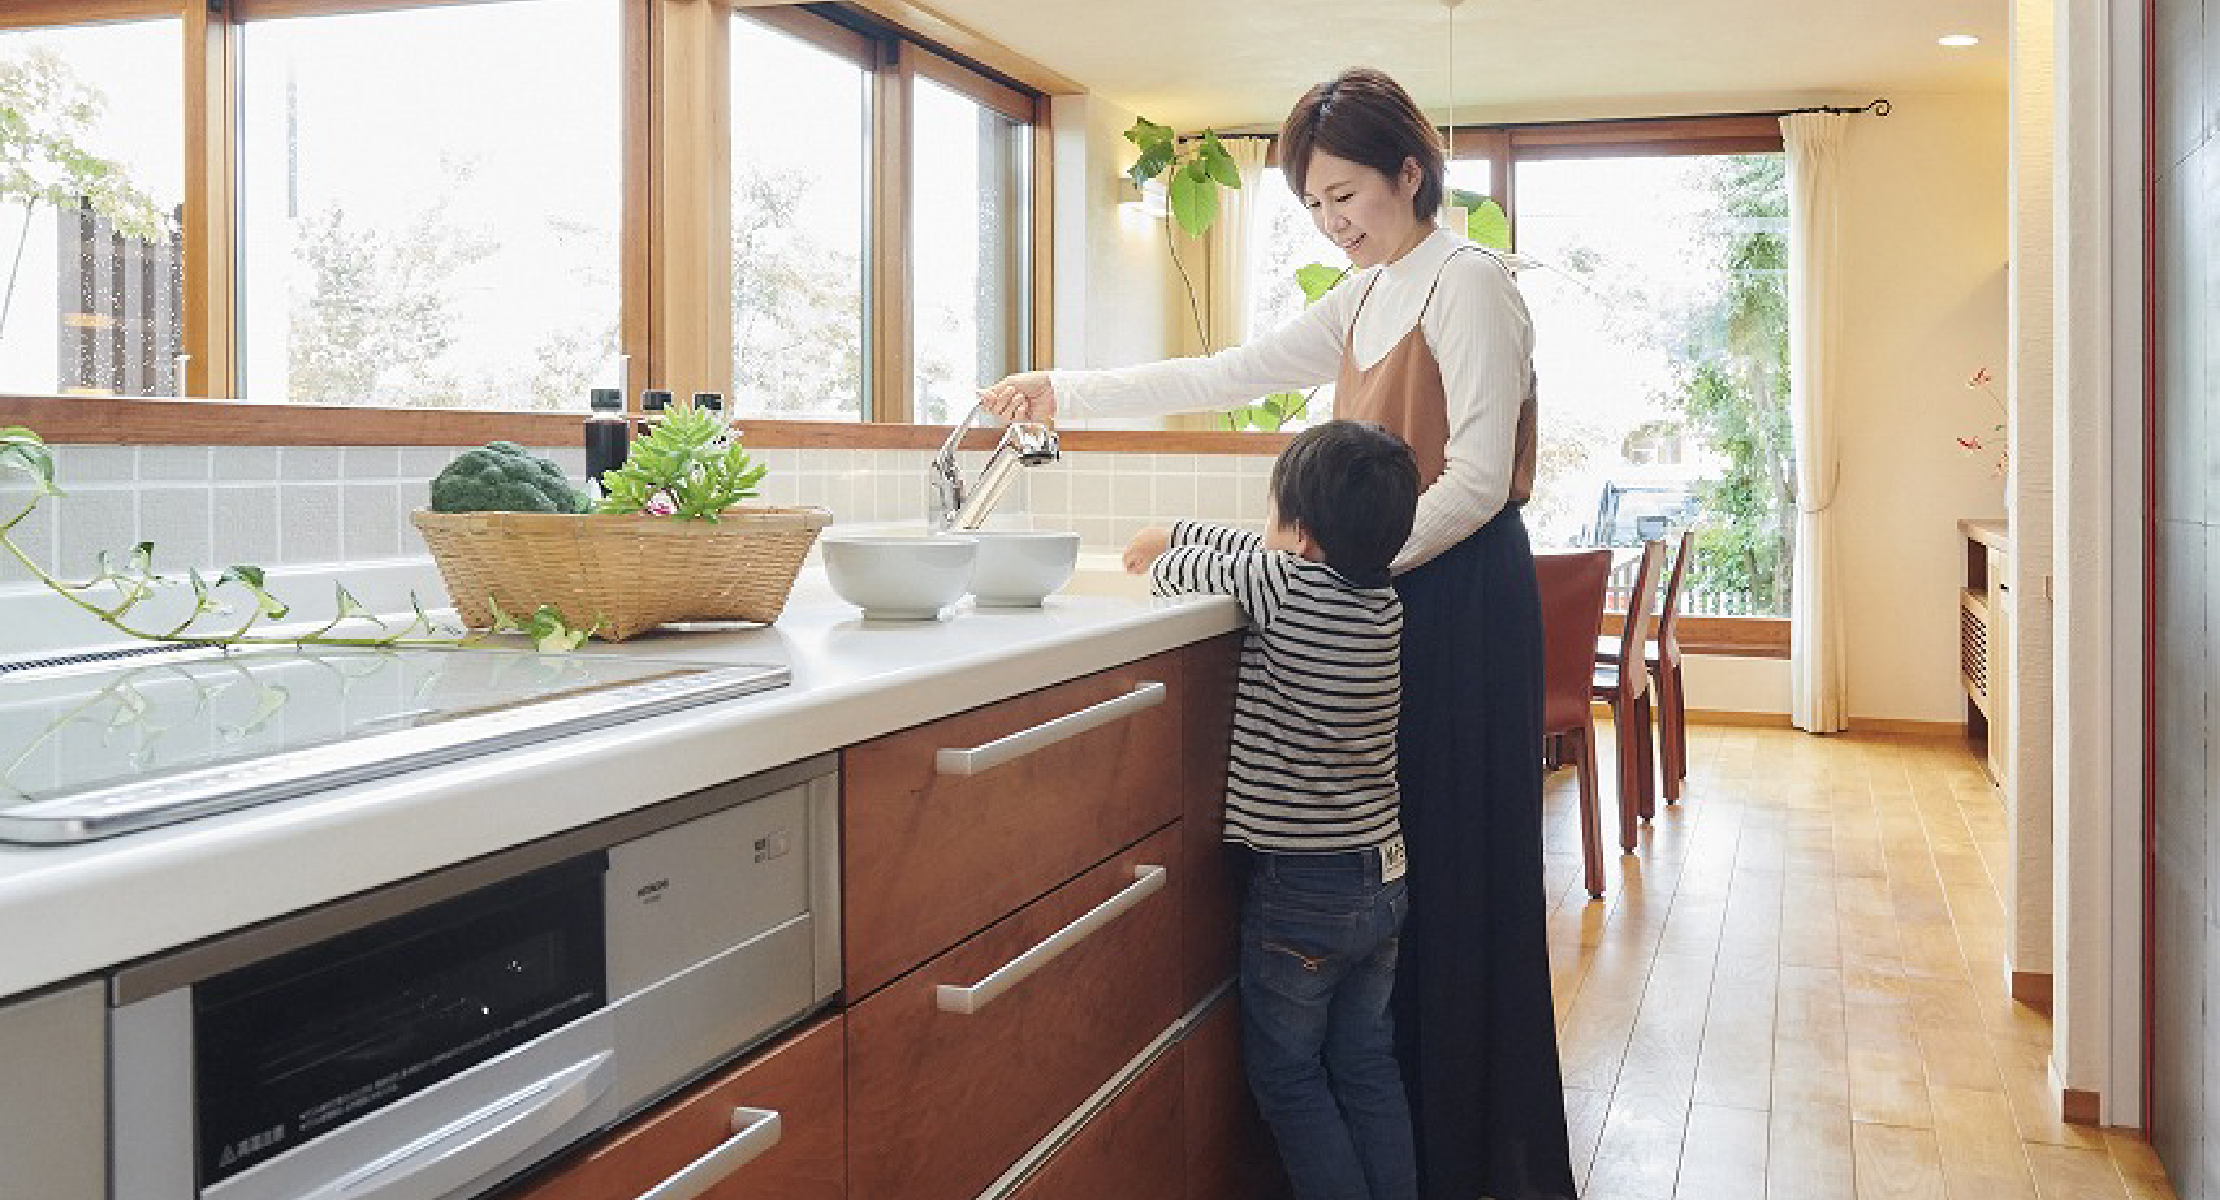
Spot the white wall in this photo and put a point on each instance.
(1925, 235)
(1117, 297)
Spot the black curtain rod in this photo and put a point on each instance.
(1879, 107)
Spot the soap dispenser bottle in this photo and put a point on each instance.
(608, 437)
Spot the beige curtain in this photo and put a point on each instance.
(1218, 263)
(1818, 684)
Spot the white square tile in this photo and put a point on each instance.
(1252, 504)
(1048, 491)
(173, 463)
(1091, 495)
(816, 490)
(311, 464)
(244, 528)
(373, 462)
(1175, 497)
(34, 535)
(1097, 533)
(175, 519)
(97, 521)
(371, 521)
(423, 462)
(1217, 497)
(1133, 497)
(75, 465)
(308, 523)
(245, 464)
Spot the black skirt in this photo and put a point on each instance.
(1474, 1026)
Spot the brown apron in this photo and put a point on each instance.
(1404, 392)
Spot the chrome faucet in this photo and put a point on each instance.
(952, 505)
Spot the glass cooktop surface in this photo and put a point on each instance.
(89, 750)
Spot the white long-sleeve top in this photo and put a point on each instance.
(1476, 326)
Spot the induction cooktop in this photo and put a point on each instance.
(92, 749)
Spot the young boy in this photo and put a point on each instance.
(1311, 791)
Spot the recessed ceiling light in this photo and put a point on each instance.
(1957, 39)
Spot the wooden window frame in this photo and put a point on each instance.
(1508, 146)
(675, 123)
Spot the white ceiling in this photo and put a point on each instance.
(1242, 63)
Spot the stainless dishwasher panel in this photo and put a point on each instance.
(680, 896)
(53, 1098)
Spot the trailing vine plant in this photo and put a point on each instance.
(115, 593)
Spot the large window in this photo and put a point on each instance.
(799, 224)
(1661, 343)
(501, 205)
(968, 175)
(92, 183)
(427, 216)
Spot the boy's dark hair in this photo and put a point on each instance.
(1367, 118)
(1353, 487)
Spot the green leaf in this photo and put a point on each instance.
(1486, 225)
(25, 453)
(1317, 279)
(1148, 135)
(1218, 161)
(346, 603)
(1194, 202)
(1150, 164)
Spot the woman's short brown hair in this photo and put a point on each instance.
(1367, 118)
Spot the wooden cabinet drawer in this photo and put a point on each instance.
(801, 1079)
(1212, 931)
(1230, 1155)
(941, 1103)
(928, 858)
(1132, 1148)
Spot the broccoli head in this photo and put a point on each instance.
(504, 477)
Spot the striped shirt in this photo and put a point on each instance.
(1312, 768)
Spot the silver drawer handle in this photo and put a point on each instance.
(1048, 733)
(754, 1130)
(967, 1000)
(496, 1135)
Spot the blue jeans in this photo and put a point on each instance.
(1318, 943)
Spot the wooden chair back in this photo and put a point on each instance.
(1668, 612)
(1635, 634)
(1572, 586)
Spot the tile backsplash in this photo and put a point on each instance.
(208, 506)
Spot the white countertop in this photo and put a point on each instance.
(66, 911)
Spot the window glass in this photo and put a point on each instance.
(429, 205)
(967, 215)
(800, 116)
(92, 188)
(1285, 242)
(1661, 344)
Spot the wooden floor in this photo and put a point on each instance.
(1796, 989)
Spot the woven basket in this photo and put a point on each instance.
(630, 573)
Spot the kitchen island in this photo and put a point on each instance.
(1128, 1036)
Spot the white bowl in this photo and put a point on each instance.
(899, 578)
(1017, 568)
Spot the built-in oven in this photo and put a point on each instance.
(431, 1039)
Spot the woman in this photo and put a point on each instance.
(1428, 336)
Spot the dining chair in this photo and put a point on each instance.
(1628, 694)
(1571, 586)
(1662, 658)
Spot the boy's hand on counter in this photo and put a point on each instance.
(1026, 396)
(1145, 547)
